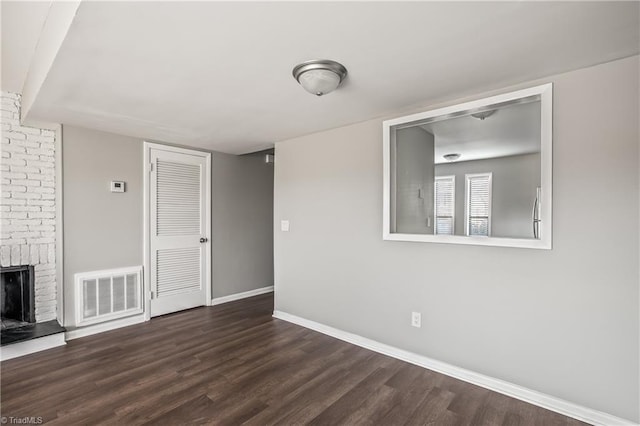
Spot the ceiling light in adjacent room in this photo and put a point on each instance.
(484, 114)
(451, 157)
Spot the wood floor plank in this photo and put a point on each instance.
(374, 407)
(432, 407)
(234, 364)
(414, 384)
(338, 412)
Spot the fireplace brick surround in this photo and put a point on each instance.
(28, 203)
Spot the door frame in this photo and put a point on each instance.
(146, 198)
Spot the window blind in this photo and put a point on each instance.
(445, 196)
(479, 204)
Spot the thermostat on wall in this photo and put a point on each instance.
(117, 186)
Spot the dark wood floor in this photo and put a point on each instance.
(234, 364)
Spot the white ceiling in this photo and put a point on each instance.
(21, 25)
(510, 130)
(217, 75)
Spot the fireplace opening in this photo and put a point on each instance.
(18, 309)
(17, 296)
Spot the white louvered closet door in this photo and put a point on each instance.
(178, 231)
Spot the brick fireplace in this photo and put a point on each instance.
(28, 204)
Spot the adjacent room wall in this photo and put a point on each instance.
(514, 183)
(413, 181)
(243, 223)
(564, 322)
(103, 230)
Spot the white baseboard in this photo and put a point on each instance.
(102, 327)
(243, 295)
(549, 402)
(27, 347)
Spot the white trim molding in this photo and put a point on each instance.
(27, 347)
(104, 326)
(539, 399)
(243, 295)
(544, 94)
(59, 223)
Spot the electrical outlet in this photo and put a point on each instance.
(416, 319)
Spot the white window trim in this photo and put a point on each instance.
(545, 91)
(435, 204)
(467, 202)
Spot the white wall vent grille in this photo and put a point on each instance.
(108, 295)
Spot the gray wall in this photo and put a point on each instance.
(514, 183)
(564, 322)
(103, 230)
(242, 230)
(414, 173)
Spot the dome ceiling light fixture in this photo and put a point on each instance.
(484, 114)
(451, 157)
(319, 76)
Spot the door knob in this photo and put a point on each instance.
(204, 240)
